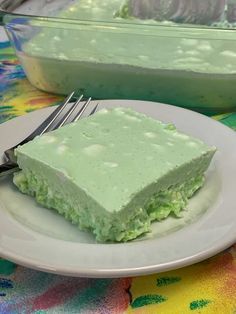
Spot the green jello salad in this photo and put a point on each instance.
(113, 173)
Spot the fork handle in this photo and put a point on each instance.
(8, 168)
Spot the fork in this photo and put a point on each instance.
(59, 117)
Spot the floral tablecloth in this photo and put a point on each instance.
(207, 287)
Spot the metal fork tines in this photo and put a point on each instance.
(62, 115)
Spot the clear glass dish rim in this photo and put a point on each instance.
(118, 24)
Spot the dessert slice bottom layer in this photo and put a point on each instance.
(119, 226)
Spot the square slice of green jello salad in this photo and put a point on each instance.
(113, 173)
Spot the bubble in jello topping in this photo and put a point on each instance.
(62, 149)
(94, 150)
(150, 134)
(111, 164)
(48, 139)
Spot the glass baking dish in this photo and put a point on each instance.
(96, 48)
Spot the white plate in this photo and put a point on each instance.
(39, 238)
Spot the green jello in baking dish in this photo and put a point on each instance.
(180, 52)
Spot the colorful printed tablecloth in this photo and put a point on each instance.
(207, 287)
